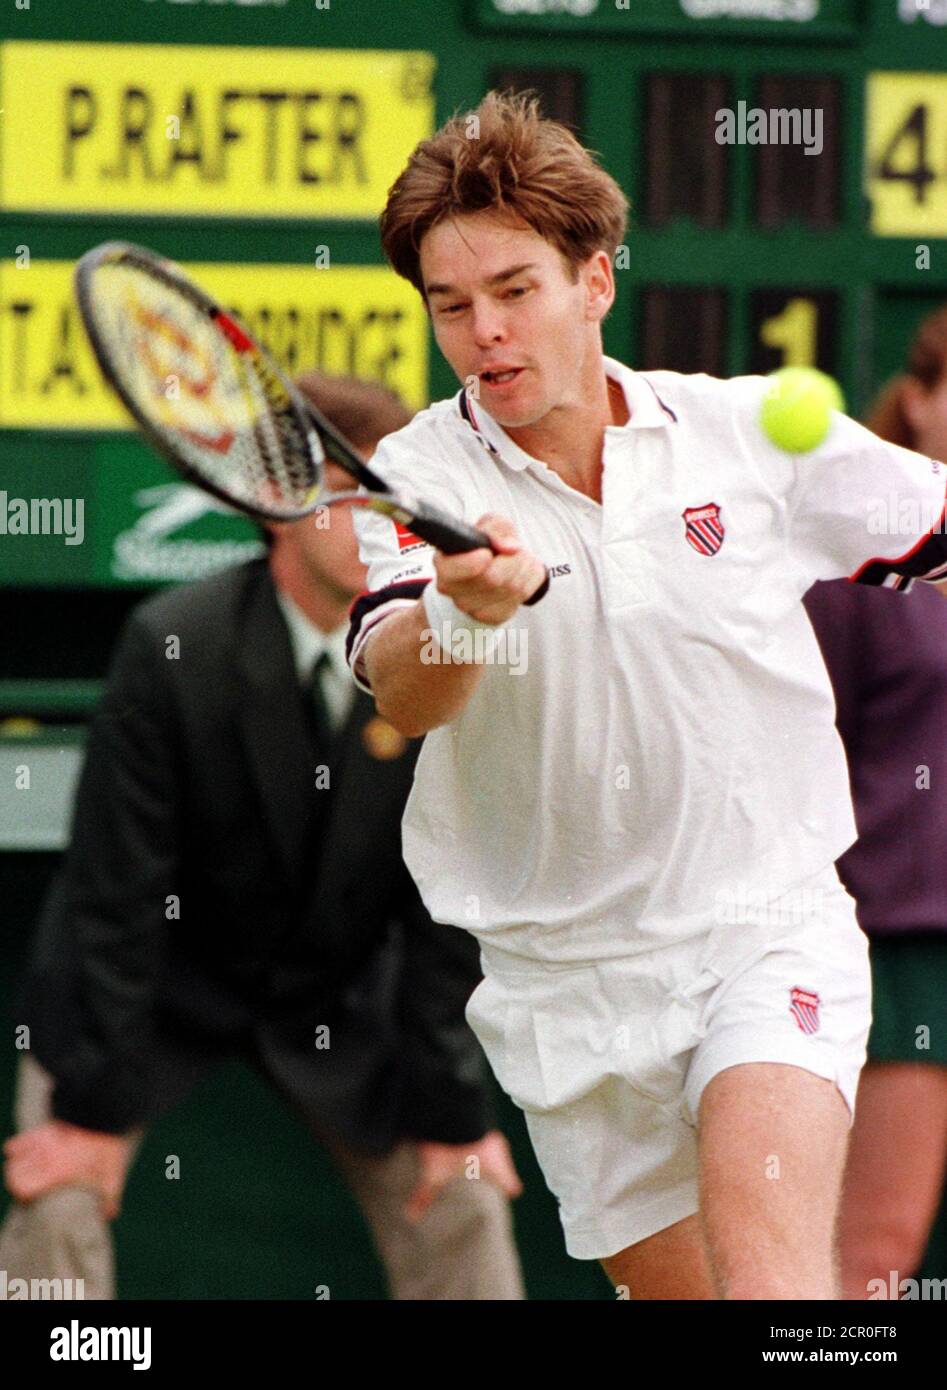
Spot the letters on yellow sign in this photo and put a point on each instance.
(182, 129)
(358, 320)
(307, 137)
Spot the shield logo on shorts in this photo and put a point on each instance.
(703, 528)
(804, 1007)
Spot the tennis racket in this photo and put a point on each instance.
(216, 405)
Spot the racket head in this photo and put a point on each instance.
(207, 396)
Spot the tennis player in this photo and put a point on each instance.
(639, 821)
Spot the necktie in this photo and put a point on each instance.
(320, 735)
(318, 707)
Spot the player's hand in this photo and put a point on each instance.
(441, 1163)
(57, 1154)
(491, 587)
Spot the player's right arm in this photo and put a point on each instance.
(416, 693)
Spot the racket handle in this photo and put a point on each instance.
(452, 537)
(446, 534)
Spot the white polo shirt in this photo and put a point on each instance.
(670, 745)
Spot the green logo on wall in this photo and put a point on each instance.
(173, 540)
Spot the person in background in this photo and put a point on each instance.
(234, 886)
(886, 654)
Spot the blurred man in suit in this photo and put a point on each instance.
(234, 885)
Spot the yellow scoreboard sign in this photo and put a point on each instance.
(355, 320)
(907, 153)
(221, 132)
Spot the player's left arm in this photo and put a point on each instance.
(863, 509)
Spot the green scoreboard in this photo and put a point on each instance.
(786, 161)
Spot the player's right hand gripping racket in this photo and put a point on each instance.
(216, 405)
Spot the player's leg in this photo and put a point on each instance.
(895, 1172)
(772, 1085)
(669, 1265)
(461, 1249)
(598, 1071)
(772, 1141)
(62, 1235)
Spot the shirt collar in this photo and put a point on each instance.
(646, 410)
(308, 642)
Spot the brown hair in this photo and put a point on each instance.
(519, 164)
(364, 411)
(927, 363)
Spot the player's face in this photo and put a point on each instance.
(508, 317)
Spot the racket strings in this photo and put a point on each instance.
(220, 409)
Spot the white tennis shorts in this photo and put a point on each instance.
(609, 1060)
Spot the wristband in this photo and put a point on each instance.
(445, 619)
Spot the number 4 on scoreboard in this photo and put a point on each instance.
(910, 138)
(907, 153)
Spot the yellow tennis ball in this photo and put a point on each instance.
(797, 408)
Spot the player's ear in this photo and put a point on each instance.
(599, 281)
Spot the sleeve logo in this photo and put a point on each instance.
(407, 540)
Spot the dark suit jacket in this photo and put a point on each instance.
(213, 898)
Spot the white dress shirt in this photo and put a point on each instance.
(308, 643)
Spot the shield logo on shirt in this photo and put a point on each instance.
(804, 1007)
(704, 529)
